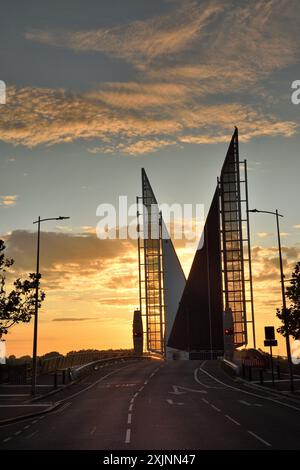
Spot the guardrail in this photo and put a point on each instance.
(85, 369)
(53, 364)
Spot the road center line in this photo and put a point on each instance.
(127, 438)
(31, 435)
(129, 418)
(260, 439)
(232, 420)
(130, 407)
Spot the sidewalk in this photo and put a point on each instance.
(281, 383)
(16, 400)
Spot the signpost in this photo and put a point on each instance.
(270, 341)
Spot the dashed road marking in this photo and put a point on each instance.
(130, 407)
(205, 401)
(17, 433)
(232, 420)
(215, 407)
(7, 439)
(31, 435)
(93, 430)
(129, 418)
(243, 391)
(260, 439)
(127, 438)
(244, 402)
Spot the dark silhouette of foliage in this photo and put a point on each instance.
(16, 305)
(291, 317)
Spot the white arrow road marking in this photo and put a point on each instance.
(177, 388)
(171, 402)
(244, 402)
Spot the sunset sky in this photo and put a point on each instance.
(96, 90)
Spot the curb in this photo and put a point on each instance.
(266, 389)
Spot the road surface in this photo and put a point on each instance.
(161, 405)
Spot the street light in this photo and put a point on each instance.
(287, 337)
(36, 308)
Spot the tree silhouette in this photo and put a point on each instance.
(16, 305)
(291, 317)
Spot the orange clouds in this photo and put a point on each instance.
(8, 201)
(36, 116)
(197, 51)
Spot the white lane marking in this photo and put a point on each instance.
(129, 418)
(171, 402)
(202, 383)
(232, 420)
(135, 395)
(145, 383)
(140, 389)
(26, 405)
(26, 427)
(127, 438)
(17, 433)
(34, 422)
(130, 407)
(7, 439)
(205, 401)
(246, 392)
(215, 407)
(260, 439)
(93, 430)
(64, 407)
(244, 402)
(6, 395)
(31, 435)
(176, 390)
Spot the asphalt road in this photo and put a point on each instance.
(161, 405)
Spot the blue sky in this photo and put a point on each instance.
(96, 90)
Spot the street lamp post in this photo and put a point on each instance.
(36, 306)
(287, 336)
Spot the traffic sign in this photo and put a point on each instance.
(270, 342)
(269, 332)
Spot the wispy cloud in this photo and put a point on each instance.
(184, 61)
(8, 201)
(64, 319)
(36, 116)
(139, 42)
